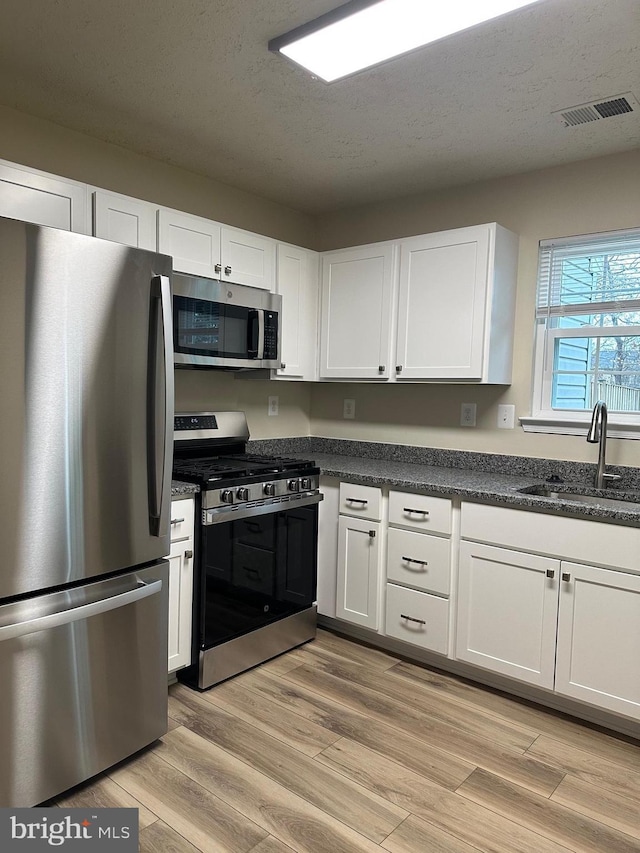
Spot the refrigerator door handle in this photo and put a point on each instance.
(77, 614)
(160, 423)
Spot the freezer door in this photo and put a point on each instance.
(84, 682)
(86, 386)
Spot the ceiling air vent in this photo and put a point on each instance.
(596, 110)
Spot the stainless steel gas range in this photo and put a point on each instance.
(256, 560)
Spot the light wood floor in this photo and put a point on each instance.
(335, 748)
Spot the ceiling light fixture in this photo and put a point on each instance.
(363, 33)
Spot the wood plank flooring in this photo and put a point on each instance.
(339, 748)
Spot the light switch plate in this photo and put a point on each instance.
(506, 416)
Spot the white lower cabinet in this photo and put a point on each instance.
(358, 572)
(417, 618)
(181, 583)
(599, 638)
(548, 620)
(507, 612)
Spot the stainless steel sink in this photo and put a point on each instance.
(586, 495)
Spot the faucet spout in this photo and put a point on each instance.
(597, 434)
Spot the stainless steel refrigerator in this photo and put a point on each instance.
(86, 409)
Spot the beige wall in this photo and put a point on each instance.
(597, 195)
(44, 145)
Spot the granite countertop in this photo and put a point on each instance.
(183, 490)
(487, 478)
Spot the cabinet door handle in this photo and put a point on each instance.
(381, 368)
(416, 511)
(412, 619)
(412, 560)
(398, 368)
(227, 270)
(188, 555)
(566, 577)
(177, 520)
(372, 534)
(218, 268)
(357, 501)
(551, 573)
(282, 365)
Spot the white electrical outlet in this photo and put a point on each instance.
(506, 416)
(468, 414)
(349, 409)
(273, 406)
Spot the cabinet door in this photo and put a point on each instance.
(180, 603)
(124, 220)
(192, 242)
(442, 305)
(328, 547)
(599, 638)
(42, 199)
(507, 612)
(297, 283)
(358, 571)
(248, 258)
(357, 287)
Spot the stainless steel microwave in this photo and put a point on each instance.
(218, 324)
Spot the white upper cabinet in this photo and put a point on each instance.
(441, 307)
(357, 300)
(124, 220)
(297, 283)
(202, 247)
(42, 199)
(192, 242)
(248, 258)
(455, 308)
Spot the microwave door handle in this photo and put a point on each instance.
(260, 335)
(253, 333)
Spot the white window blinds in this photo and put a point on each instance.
(589, 275)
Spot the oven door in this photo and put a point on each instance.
(255, 571)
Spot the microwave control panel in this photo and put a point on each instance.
(270, 335)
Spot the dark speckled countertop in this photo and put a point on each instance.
(483, 477)
(183, 490)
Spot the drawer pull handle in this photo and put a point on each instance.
(551, 573)
(566, 577)
(357, 501)
(417, 511)
(419, 562)
(372, 534)
(412, 619)
(188, 555)
(177, 520)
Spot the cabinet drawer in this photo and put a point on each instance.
(420, 512)
(361, 501)
(182, 512)
(417, 618)
(418, 560)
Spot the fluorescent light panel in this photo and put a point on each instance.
(367, 36)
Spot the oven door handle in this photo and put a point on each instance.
(233, 513)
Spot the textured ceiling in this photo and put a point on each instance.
(193, 84)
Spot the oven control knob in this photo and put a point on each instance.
(293, 485)
(305, 484)
(226, 496)
(269, 489)
(242, 494)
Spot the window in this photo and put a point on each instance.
(587, 343)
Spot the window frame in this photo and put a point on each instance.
(544, 418)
